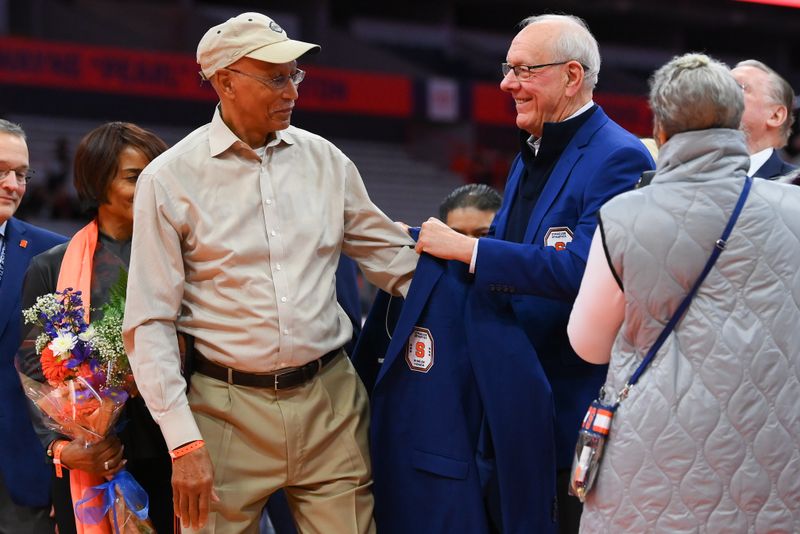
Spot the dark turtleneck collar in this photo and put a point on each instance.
(555, 138)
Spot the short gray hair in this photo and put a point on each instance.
(695, 92)
(11, 128)
(779, 90)
(576, 43)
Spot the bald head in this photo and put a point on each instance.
(572, 39)
(550, 70)
(768, 102)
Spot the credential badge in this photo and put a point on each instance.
(419, 350)
(558, 237)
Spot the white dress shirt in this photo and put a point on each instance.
(240, 251)
(758, 159)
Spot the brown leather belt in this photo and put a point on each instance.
(286, 379)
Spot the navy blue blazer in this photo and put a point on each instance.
(347, 296)
(462, 415)
(542, 275)
(774, 167)
(22, 460)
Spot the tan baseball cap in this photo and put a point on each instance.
(248, 35)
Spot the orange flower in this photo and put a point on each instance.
(55, 371)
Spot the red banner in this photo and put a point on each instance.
(632, 112)
(150, 74)
(104, 70)
(492, 106)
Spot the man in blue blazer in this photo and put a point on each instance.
(462, 418)
(767, 119)
(573, 158)
(25, 482)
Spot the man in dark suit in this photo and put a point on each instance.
(573, 158)
(25, 482)
(767, 119)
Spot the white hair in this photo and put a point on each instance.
(576, 42)
(780, 91)
(11, 128)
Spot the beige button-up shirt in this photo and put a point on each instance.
(240, 250)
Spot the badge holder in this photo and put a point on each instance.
(597, 421)
(591, 442)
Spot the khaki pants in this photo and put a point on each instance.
(310, 440)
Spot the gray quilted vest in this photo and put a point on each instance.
(709, 439)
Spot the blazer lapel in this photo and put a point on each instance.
(770, 168)
(501, 219)
(562, 170)
(428, 272)
(17, 258)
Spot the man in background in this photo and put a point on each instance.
(767, 119)
(25, 482)
(573, 158)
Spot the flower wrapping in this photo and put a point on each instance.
(81, 381)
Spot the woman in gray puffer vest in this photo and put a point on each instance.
(709, 438)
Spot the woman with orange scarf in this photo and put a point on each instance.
(107, 164)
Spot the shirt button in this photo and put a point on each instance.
(269, 202)
(278, 266)
(286, 331)
(273, 233)
(284, 299)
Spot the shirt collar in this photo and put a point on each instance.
(536, 142)
(758, 159)
(221, 138)
(3, 229)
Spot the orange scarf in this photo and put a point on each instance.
(76, 272)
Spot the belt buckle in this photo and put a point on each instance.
(278, 375)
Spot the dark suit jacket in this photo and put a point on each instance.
(347, 296)
(465, 430)
(600, 161)
(22, 461)
(774, 167)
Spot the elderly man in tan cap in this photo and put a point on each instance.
(238, 231)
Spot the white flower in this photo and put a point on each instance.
(88, 335)
(63, 344)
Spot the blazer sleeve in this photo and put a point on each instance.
(534, 269)
(41, 278)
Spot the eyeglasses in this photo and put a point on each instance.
(524, 73)
(278, 82)
(22, 176)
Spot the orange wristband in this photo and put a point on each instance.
(57, 458)
(186, 449)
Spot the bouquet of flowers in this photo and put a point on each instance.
(80, 382)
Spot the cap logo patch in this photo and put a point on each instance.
(274, 27)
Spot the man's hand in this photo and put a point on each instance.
(438, 239)
(192, 488)
(103, 459)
